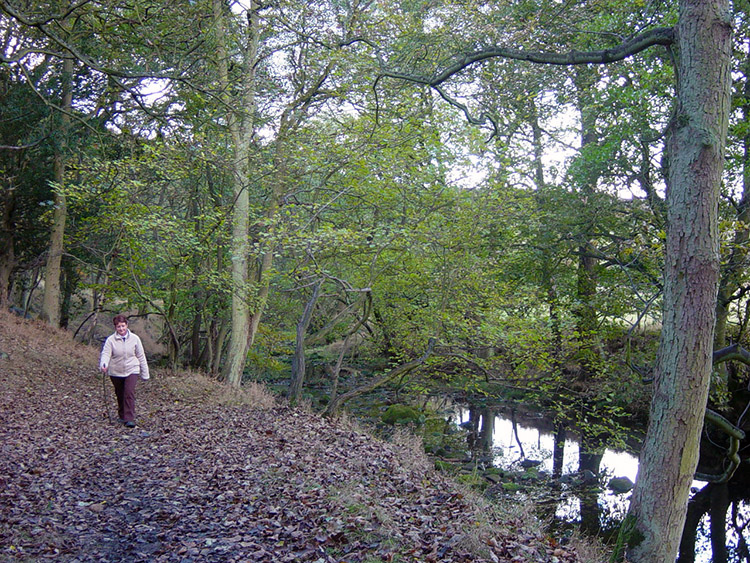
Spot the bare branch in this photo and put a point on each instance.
(734, 352)
(55, 17)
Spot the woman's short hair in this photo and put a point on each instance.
(119, 319)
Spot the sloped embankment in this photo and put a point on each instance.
(203, 479)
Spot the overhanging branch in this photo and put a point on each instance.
(658, 36)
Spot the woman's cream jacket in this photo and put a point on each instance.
(123, 356)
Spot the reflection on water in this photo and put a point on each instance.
(507, 441)
(510, 443)
(540, 445)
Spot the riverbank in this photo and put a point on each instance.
(213, 476)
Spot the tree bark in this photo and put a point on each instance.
(558, 450)
(696, 143)
(487, 431)
(586, 274)
(240, 125)
(298, 362)
(590, 454)
(51, 301)
(737, 262)
(699, 504)
(718, 512)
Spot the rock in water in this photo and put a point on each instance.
(620, 485)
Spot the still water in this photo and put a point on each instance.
(512, 443)
(532, 439)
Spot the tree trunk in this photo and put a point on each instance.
(290, 119)
(558, 451)
(335, 371)
(261, 275)
(7, 245)
(584, 311)
(195, 333)
(547, 265)
(262, 280)
(698, 506)
(737, 262)
(738, 257)
(718, 512)
(695, 147)
(486, 431)
(51, 302)
(173, 346)
(221, 337)
(240, 124)
(97, 299)
(298, 362)
(71, 279)
(590, 454)
(350, 335)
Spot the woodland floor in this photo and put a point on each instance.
(204, 478)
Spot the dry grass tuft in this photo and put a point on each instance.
(192, 387)
(589, 550)
(33, 341)
(410, 450)
(493, 519)
(250, 394)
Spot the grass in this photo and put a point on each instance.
(193, 387)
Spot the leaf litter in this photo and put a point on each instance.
(201, 479)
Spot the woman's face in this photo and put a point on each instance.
(121, 328)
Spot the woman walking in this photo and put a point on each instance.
(124, 361)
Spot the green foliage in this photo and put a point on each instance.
(473, 480)
(511, 487)
(629, 536)
(444, 466)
